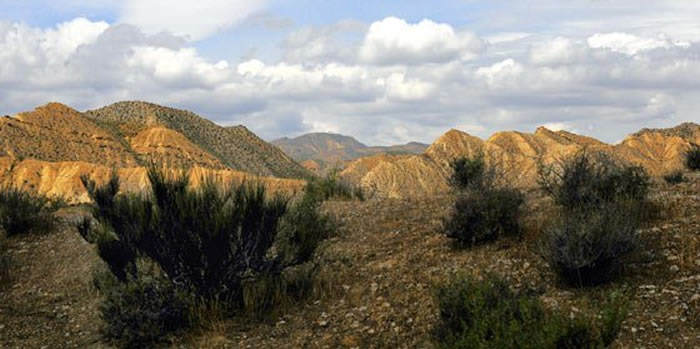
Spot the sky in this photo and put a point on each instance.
(385, 72)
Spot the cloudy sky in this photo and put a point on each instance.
(383, 71)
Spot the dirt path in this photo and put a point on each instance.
(51, 303)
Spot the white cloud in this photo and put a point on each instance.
(394, 41)
(193, 19)
(501, 73)
(631, 44)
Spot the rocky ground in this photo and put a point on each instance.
(377, 282)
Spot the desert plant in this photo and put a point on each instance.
(5, 262)
(488, 314)
(587, 247)
(467, 171)
(591, 179)
(24, 212)
(211, 244)
(692, 158)
(332, 186)
(484, 215)
(141, 311)
(674, 177)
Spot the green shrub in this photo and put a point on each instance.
(142, 310)
(467, 172)
(211, 244)
(674, 177)
(487, 314)
(332, 186)
(484, 215)
(588, 247)
(484, 209)
(23, 212)
(5, 262)
(591, 179)
(692, 158)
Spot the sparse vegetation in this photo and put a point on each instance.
(23, 212)
(484, 210)
(208, 245)
(602, 204)
(5, 262)
(488, 314)
(332, 186)
(674, 177)
(692, 158)
(587, 180)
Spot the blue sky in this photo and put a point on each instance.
(384, 72)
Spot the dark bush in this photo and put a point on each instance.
(588, 247)
(591, 179)
(210, 243)
(5, 262)
(24, 212)
(692, 158)
(467, 172)
(484, 215)
(674, 177)
(487, 314)
(485, 209)
(141, 311)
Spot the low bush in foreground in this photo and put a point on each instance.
(488, 314)
(588, 180)
(23, 212)
(484, 209)
(588, 247)
(674, 177)
(183, 249)
(692, 158)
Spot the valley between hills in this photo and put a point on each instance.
(378, 273)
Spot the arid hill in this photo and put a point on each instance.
(235, 147)
(49, 148)
(659, 151)
(320, 152)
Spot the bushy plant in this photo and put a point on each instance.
(488, 314)
(588, 247)
(674, 177)
(332, 186)
(485, 209)
(24, 212)
(142, 310)
(484, 215)
(5, 262)
(591, 179)
(692, 158)
(210, 243)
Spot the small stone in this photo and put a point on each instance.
(695, 298)
(674, 269)
(323, 323)
(386, 305)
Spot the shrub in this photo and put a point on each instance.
(484, 209)
(211, 244)
(23, 212)
(487, 314)
(484, 215)
(5, 262)
(332, 186)
(692, 158)
(674, 177)
(142, 310)
(467, 172)
(591, 179)
(587, 247)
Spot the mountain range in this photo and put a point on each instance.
(320, 152)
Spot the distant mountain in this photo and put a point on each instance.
(658, 150)
(322, 151)
(49, 148)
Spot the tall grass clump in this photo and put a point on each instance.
(5, 262)
(180, 249)
(332, 187)
(674, 177)
(602, 203)
(485, 208)
(488, 314)
(24, 212)
(692, 158)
